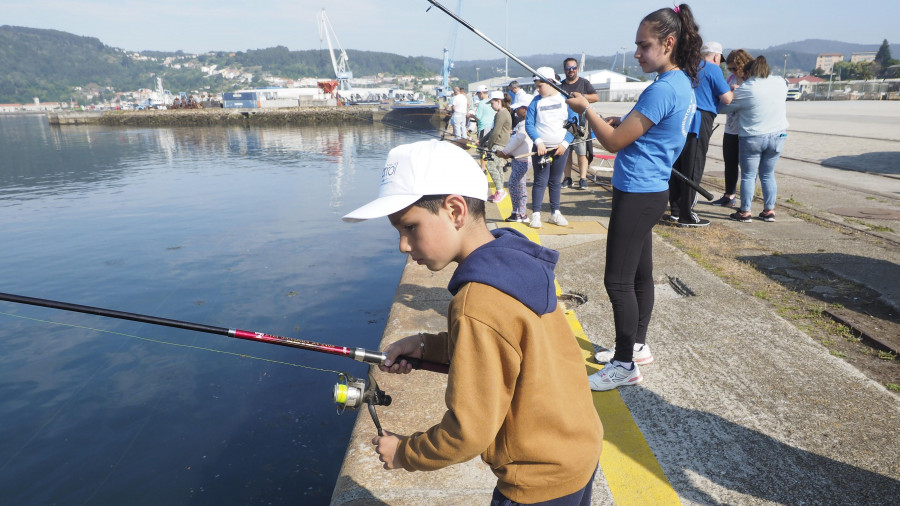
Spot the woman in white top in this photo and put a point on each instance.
(735, 63)
(762, 130)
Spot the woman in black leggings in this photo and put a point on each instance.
(647, 140)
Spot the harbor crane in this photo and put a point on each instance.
(339, 63)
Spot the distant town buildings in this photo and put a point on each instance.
(863, 56)
(826, 61)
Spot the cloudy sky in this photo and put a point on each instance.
(596, 27)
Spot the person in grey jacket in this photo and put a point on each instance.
(497, 137)
(762, 131)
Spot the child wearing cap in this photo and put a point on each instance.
(517, 393)
(544, 121)
(518, 150)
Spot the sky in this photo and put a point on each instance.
(524, 27)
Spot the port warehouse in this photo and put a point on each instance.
(273, 98)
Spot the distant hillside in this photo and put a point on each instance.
(802, 54)
(51, 64)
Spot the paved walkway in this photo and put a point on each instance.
(740, 407)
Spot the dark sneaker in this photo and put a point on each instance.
(567, 182)
(742, 217)
(767, 216)
(693, 221)
(671, 218)
(582, 184)
(725, 201)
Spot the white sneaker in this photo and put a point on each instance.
(642, 355)
(535, 220)
(558, 219)
(615, 375)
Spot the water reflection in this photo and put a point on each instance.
(235, 227)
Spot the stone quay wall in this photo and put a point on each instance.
(213, 117)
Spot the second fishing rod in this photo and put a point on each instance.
(706, 194)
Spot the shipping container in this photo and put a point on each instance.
(240, 104)
(279, 103)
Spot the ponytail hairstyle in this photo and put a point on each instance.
(679, 23)
(505, 103)
(757, 68)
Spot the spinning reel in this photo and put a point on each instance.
(350, 392)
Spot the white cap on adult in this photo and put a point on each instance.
(711, 47)
(423, 168)
(481, 89)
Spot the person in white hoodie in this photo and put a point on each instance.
(544, 122)
(518, 149)
(762, 130)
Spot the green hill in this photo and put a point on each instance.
(50, 64)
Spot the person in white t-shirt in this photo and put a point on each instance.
(460, 106)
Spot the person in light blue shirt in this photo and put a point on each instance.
(648, 141)
(762, 131)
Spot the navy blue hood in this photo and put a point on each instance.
(515, 266)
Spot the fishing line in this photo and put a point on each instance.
(159, 341)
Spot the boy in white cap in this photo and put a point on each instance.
(517, 392)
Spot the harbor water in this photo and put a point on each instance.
(227, 226)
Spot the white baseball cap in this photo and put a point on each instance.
(496, 95)
(547, 73)
(423, 168)
(711, 47)
(481, 89)
(522, 101)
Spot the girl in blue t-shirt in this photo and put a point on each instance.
(648, 141)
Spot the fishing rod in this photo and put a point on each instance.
(358, 354)
(546, 79)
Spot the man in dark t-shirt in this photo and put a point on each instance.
(574, 83)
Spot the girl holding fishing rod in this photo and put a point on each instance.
(648, 141)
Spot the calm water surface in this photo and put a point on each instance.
(231, 227)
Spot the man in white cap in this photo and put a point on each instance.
(710, 91)
(484, 113)
(517, 393)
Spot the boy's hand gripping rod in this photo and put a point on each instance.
(359, 354)
(679, 175)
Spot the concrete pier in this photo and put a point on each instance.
(745, 404)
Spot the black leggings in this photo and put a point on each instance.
(730, 154)
(629, 265)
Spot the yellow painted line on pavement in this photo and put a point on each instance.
(632, 472)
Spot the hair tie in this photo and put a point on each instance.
(676, 9)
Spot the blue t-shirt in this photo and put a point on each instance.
(711, 84)
(644, 166)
